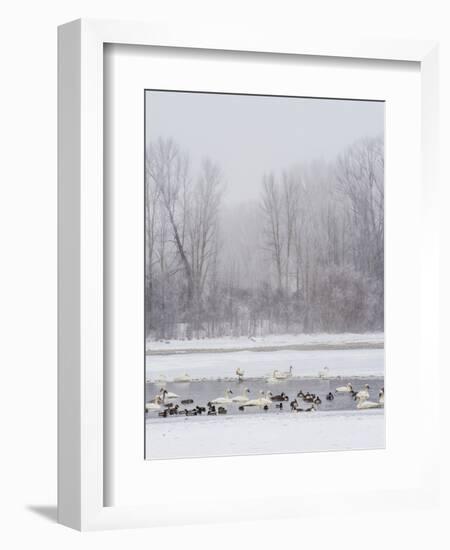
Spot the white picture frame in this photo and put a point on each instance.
(82, 485)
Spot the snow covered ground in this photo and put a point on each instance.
(259, 434)
(278, 340)
(204, 365)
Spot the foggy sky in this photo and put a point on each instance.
(249, 136)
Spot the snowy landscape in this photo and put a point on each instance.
(264, 275)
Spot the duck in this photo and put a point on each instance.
(187, 401)
(282, 375)
(223, 400)
(183, 378)
(329, 396)
(344, 389)
(281, 397)
(363, 394)
(265, 399)
(241, 398)
(324, 372)
(222, 410)
(240, 374)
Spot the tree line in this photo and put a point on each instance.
(307, 255)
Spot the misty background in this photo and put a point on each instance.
(264, 215)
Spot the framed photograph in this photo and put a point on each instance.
(241, 281)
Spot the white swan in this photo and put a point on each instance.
(363, 394)
(167, 394)
(282, 375)
(182, 378)
(153, 405)
(240, 374)
(272, 378)
(344, 389)
(223, 400)
(365, 404)
(241, 398)
(324, 372)
(265, 399)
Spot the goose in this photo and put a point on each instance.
(282, 375)
(294, 405)
(344, 389)
(182, 378)
(241, 398)
(222, 410)
(363, 394)
(163, 413)
(317, 400)
(265, 399)
(223, 400)
(363, 403)
(187, 401)
(240, 374)
(324, 372)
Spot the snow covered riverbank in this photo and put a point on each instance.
(352, 362)
(259, 434)
(276, 340)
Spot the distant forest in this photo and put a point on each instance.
(306, 256)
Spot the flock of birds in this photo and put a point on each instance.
(164, 404)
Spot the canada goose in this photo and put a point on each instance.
(223, 400)
(294, 405)
(241, 398)
(344, 389)
(187, 401)
(317, 400)
(301, 394)
(330, 396)
(173, 410)
(163, 413)
(222, 410)
(182, 378)
(240, 374)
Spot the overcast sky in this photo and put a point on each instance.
(252, 135)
